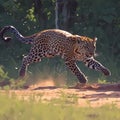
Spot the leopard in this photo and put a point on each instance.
(56, 42)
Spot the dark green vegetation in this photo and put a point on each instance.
(14, 109)
(91, 18)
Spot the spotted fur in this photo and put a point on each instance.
(55, 42)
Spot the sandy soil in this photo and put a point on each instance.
(94, 95)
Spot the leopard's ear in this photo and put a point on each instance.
(95, 39)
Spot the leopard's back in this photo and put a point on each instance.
(52, 35)
(56, 41)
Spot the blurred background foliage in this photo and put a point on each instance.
(93, 18)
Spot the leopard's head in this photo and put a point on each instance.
(84, 47)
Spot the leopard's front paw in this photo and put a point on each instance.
(106, 71)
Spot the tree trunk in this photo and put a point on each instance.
(56, 15)
(67, 9)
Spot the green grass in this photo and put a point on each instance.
(14, 109)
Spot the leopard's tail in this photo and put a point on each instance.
(27, 40)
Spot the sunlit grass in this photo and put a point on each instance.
(13, 109)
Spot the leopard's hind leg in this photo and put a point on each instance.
(26, 61)
(35, 55)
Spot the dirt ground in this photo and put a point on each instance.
(94, 95)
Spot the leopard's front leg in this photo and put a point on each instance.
(74, 68)
(94, 64)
